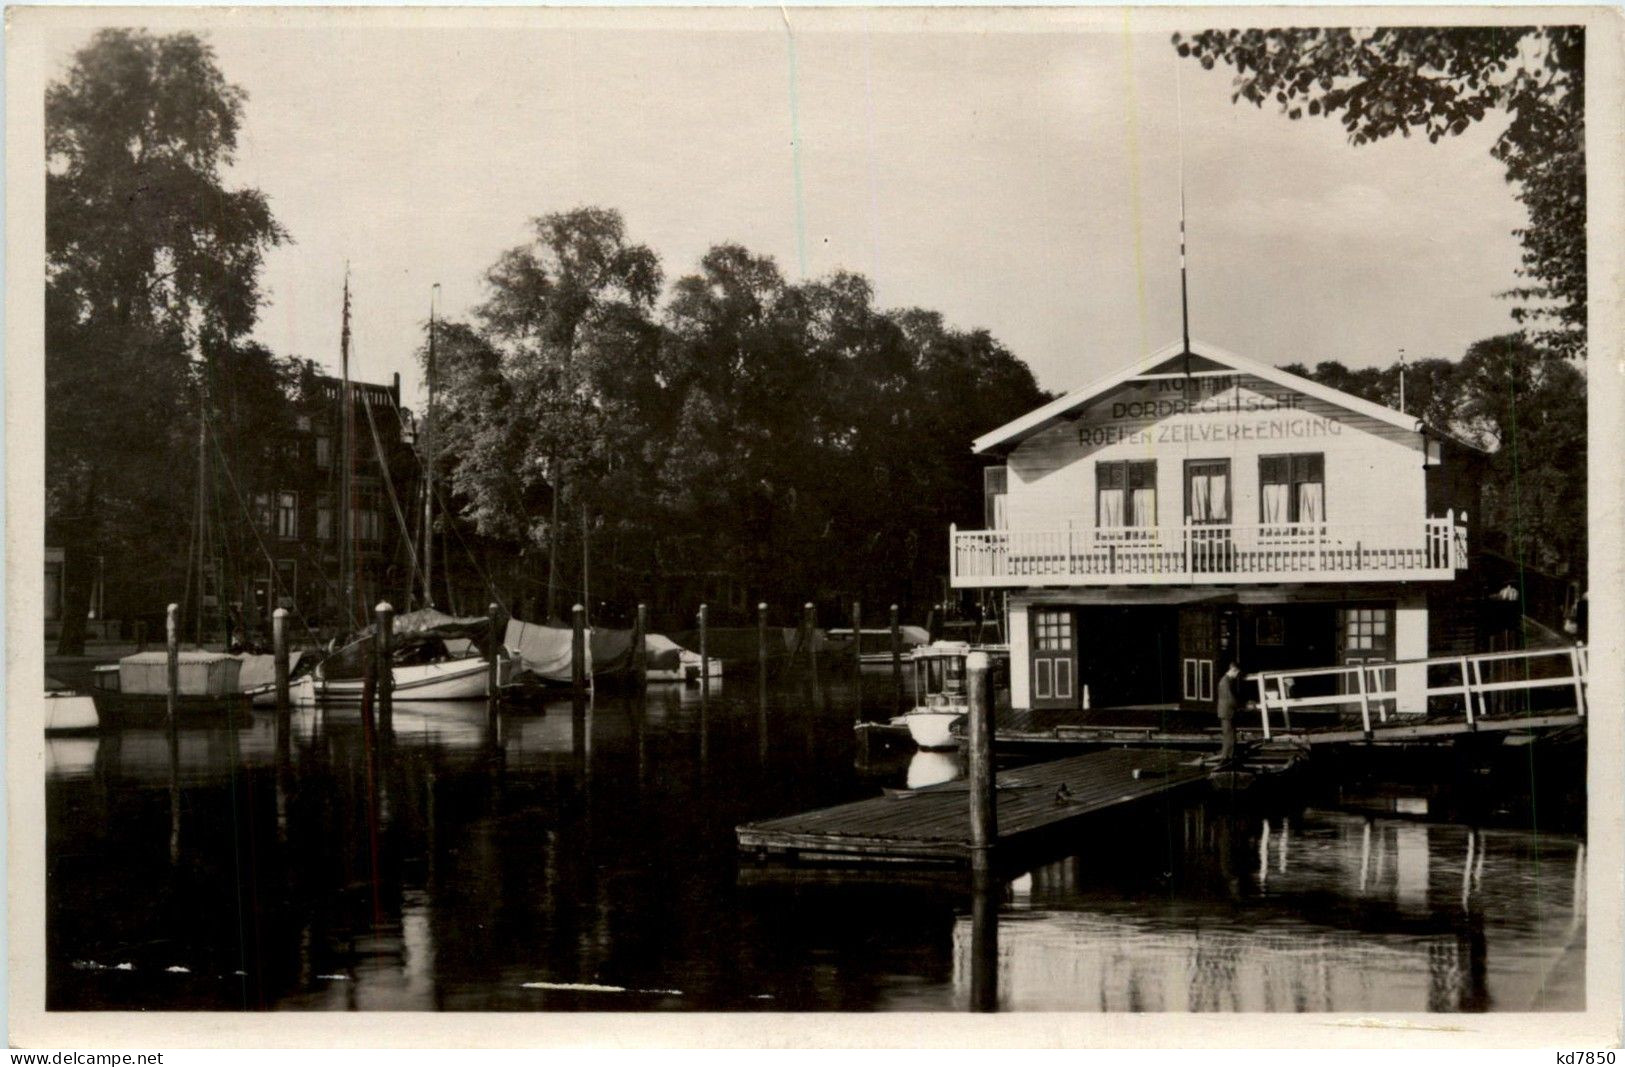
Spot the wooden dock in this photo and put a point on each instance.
(932, 825)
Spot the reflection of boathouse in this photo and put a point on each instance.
(1201, 507)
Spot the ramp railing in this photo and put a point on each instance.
(1475, 685)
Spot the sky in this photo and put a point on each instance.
(1019, 174)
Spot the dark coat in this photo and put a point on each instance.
(1227, 697)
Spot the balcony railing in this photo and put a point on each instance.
(1078, 553)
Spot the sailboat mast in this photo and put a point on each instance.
(346, 452)
(202, 496)
(428, 469)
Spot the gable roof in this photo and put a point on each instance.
(1205, 357)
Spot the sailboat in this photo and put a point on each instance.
(434, 656)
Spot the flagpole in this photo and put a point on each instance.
(346, 451)
(428, 465)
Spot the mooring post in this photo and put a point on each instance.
(705, 655)
(761, 649)
(640, 649)
(493, 678)
(896, 658)
(857, 642)
(809, 622)
(279, 644)
(578, 649)
(931, 624)
(385, 615)
(141, 635)
(984, 944)
(761, 681)
(172, 639)
(984, 824)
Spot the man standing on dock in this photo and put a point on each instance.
(1227, 700)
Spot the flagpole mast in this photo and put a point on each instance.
(346, 450)
(428, 466)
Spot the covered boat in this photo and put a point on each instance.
(435, 656)
(940, 694)
(135, 691)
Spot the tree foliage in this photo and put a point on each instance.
(152, 263)
(792, 438)
(1528, 411)
(1438, 82)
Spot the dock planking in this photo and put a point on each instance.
(932, 825)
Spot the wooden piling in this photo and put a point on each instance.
(578, 649)
(172, 644)
(761, 682)
(705, 656)
(857, 646)
(896, 657)
(809, 623)
(761, 647)
(493, 677)
(984, 940)
(984, 823)
(279, 644)
(384, 614)
(931, 624)
(640, 649)
(141, 635)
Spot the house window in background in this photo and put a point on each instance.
(366, 517)
(287, 574)
(324, 517)
(262, 512)
(1126, 494)
(287, 514)
(1292, 489)
(995, 489)
(324, 451)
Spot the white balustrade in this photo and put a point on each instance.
(1081, 553)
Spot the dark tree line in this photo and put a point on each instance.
(787, 440)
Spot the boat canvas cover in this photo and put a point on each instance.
(409, 630)
(261, 670)
(661, 653)
(543, 650)
(199, 673)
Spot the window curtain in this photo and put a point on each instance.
(1199, 500)
(1275, 503)
(1144, 508)
(1111, 507)
(1217, 497)
(1311, 502)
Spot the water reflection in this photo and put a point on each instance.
(452, 858)
(1343, 913)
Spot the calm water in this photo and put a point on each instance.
(539, 862)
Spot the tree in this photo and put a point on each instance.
(1527, 411)
(1439, 81)
(149, 260)
(1531, 411)
(559, 310)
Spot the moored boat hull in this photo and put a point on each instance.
(931, 729)
(460, 679)
(115, 710)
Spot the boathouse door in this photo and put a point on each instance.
(1054, 658)
(1198, 653)
(1365, 635)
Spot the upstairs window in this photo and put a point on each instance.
(995, 487)
(1126, 494)
(1292, 489)
(324, 517)
(287, 514)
